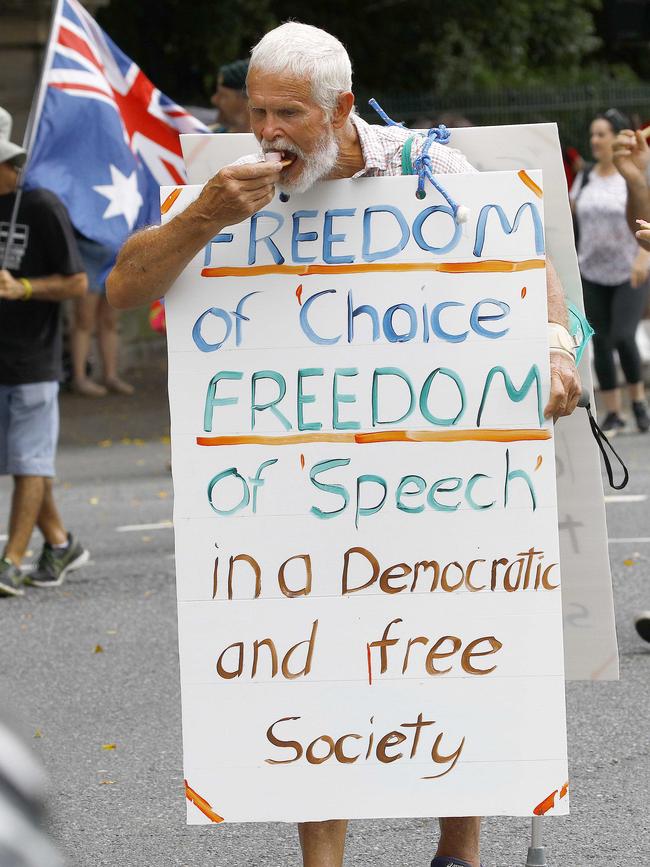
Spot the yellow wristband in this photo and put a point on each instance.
(29, 289)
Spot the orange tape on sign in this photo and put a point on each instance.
(202, 804)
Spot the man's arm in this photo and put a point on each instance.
(566, 387)
(150, 261)
(54, 287)
(631, 158)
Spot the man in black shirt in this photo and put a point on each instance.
(40, 268)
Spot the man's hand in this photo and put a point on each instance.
(10, 288)
(632, 155)
(566, 387)
(237, 192)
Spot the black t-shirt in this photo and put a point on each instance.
(44, 244)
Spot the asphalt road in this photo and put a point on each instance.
(94, 664)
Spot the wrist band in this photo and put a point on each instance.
(559, 340)
(566, 352)
(27, 286)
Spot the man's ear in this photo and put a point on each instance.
(341, 113)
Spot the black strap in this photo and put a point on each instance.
(602, 441)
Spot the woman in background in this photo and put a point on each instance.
(614, 272)
(94, 315)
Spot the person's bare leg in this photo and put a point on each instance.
(83, 326)
(612, 400)
(109, 343)
(637, 391)
(323, 843)
(49, 521)
(26, 504)
(460, 837)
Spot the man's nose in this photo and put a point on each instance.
(271, 129)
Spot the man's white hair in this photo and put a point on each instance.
(306, 52)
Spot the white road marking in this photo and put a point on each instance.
(625, 498)
(638, 540)
(135, 528)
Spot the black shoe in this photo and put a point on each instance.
(55, 563)
(640, 409)
(642, 623)
(613, 424)
(11, 577)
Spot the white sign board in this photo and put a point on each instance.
(589, 631)
(367, 550)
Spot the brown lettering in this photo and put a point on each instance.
(392, 739)
(468, 577)
(224, 672)
(346, 562)
(399, 570)
(310, 642)
(303, 591)
(318, 760)
(469, 652)
(434, 654)
(338, 750)
(267, 642)
(425, 565)
(294, 745)
(445, 584)
(255, 566)
(441, 760)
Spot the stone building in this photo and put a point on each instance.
(24, 28)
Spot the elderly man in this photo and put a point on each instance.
(300, 100)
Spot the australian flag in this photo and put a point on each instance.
(106, 138)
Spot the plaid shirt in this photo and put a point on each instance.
(382, 151)
(381, 147)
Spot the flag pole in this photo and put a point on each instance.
(31, 128)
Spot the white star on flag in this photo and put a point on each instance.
(124, 199)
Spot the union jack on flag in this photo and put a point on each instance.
(106, 138)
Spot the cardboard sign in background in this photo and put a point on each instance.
(590, 648)
(365, 513)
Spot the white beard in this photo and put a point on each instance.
(316, 165)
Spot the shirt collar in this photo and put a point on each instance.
(374, 154)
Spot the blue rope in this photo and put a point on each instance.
(382, 114)
(422, 164)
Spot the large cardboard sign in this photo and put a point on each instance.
(367, 552)
(589, 632)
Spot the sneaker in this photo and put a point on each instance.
(642, 623)
(449, 862)
(613, 424)
(640, 409)
(11, 577)
(55, 563)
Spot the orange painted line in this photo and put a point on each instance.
(202, 804)
(546, 805)
(388, 436)
(530, 183)
(369, 664)
(564, 790)
(169, 201)
(488, 266)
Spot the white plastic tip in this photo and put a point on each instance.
(462, 214)
(272, 156)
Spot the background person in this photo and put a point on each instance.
(614, 273)
(43, 268)
(230, 98)
(94, 315)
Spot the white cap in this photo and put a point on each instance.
(9, 150)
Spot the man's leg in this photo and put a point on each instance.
(323, 843)
(26, 504)
(460, 837)
(49, 521)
